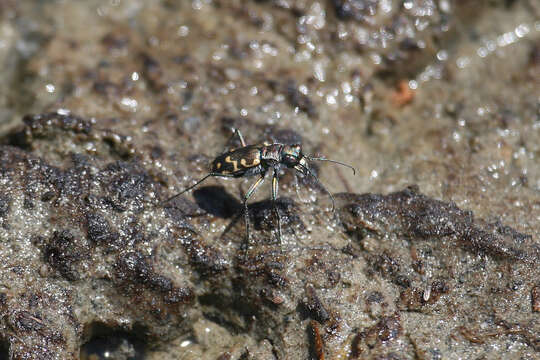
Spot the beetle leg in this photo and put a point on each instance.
(297, 188)
(194, 185)
(236, 132)
(275, 183)
(250, 192)
(307, 171)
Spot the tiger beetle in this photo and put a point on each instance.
(251, 160)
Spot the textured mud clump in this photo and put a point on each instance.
(415, 216)
(62, 254)
(79, 256)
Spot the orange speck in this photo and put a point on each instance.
(403, 94)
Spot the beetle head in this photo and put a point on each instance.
(291, 155)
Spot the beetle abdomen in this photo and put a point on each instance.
(238, 161)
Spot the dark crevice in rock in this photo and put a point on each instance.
(218, 308)
(4, 348)
(108, 342)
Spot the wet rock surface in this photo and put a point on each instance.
(433, 251)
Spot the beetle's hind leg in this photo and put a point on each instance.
(237, 133)
(188, 188)
(250, 192)
(275, 183)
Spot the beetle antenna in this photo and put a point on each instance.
(187, 189)
(308, 171)
(334, 161)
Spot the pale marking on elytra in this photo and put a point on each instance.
(234, 162)
(256, 161)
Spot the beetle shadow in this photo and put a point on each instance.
(217, 201)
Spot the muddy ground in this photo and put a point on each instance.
(111, 107)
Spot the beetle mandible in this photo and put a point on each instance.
(251, 160)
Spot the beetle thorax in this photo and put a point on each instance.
(271, 152)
